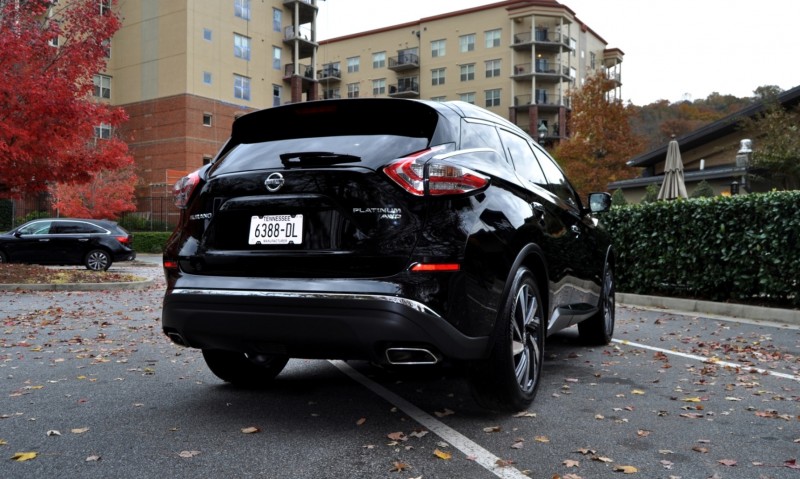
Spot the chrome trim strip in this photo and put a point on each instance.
(415, 305)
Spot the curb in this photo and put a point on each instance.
(741, 311)
(134, 285)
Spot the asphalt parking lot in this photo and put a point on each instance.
(90, 385)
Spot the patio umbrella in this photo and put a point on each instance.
(673, 185)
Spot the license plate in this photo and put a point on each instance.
(276, 229)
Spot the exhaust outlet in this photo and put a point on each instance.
(410, 356)
(177, 339)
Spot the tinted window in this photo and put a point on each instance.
(75, 227)
(556, 181)
(524, 160)
(37, 228)
(480, 135)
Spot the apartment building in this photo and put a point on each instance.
(519, 59)
(184, 69)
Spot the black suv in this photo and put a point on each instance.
(399, 231)
(95, 244)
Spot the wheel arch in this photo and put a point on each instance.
(532, 257)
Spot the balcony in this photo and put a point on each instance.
(303, 71)
(545, 40)
(544, 100)
(307, 9)
(404, 61)
(405, 88)
(330, 73)
(543, 71)
(302, 37)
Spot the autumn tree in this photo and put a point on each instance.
(776, 146)
(107, 194)
(49, 54)
(601, 140)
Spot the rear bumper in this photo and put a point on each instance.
(311, 324)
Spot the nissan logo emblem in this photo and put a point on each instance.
(274, 182)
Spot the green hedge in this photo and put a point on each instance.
(150, 241)
(741, 248)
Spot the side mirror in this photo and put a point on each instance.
(599, 202)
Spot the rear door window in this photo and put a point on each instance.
(526, 164)
(557, 182)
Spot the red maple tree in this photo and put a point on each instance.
(105, 196)
(49, 54)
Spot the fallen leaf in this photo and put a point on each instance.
(53, 432)
(398, 466)
(442, 455)
(23, 456)
(503, 462)
(571, 463)
(492, 429)
(638, 392)
(3, 442)
(525, 414)
(642, 433)
(602, 459)
(92, 458)
(543, 439)
(397, 436)
(692, 399)
(251, 430)
(444, 413)
(727, 462)
(418, 434)
(188, 454)
(361, 421)
(518, 444)
(599, 417)
(626, 469)
(79, 431)
(666, 464)
(792, 464)
(700, 449)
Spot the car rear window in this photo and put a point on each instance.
(374, 131)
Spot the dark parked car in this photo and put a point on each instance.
(400, 231)
(95, 244)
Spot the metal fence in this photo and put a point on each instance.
(153, 213)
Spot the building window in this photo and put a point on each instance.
(105, 7)
(379, 60)
(437, 76)
(102, 86)
(353, 64)
(207, 119)
(207, 78)
(107, 48)
(241, 87)
(437, 48)
(241, 46)
(492, 98)
(468, 72)
(241, 9)
(276, 58)
(467, 42)
(467, 97)
(331, 93)
(493, 38)
(102, 131)
(492, 68)
(207, 159)
(439, 98)
(207, 34)
(277, 93)
(277, 19)
(592, 60)
(379, 87)
(352, 90)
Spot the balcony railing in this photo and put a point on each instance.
(542, 70)
(304, 71)
(542, 99)
(329, 72)
(543, 38)
(405, 88)
(307, 9)
(404, 61)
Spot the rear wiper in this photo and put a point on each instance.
(316, 158)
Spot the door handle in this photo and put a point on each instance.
(576, 230)
(43, 240)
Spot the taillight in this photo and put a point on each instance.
(183, 189)
(123, 239)
(421, 174)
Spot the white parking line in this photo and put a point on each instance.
(711, 360)
(448, 434)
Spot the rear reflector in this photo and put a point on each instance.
(183, 189)
(170, 264)
(435, 267)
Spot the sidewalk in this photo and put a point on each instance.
(731, 310)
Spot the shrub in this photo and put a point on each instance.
(702, 190)
(742, 248)
(618, 198)
(150, 241)
(651, 193)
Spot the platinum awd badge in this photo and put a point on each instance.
(381, 213)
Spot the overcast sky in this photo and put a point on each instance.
(674, 49)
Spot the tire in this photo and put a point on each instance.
(599, 329)
(242, 369)
(97, 260)
(509, 378)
